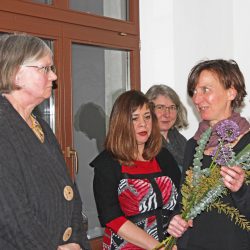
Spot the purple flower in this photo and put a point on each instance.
(223, 156)
(228, 130)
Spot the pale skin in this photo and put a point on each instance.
(166, 119)
(213, 102)
(142, 122)
(35, 88)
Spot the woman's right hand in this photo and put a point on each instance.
(178, 226)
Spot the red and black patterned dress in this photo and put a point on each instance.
(145, 194)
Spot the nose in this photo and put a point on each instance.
(197, 97)
(52, 76)
(142, 122)
(166, 112)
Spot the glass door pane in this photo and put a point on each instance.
(118, 9)
(99, 76)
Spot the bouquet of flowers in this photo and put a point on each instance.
(203, 188)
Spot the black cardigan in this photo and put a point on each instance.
(33, 211)
(107, 177)
(211, 230)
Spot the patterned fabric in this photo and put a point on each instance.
(142, 199)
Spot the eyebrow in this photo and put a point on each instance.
(147, 112)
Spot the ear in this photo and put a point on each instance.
(18, 81)
(231, 93)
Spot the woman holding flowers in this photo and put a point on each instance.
(136, 180)
(217, 89)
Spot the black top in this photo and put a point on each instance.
(176, 145)
(212, 230)
(108, 175)
(34, 213)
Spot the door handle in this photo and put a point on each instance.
(72, 153)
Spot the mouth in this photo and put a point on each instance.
(202, 108)
(143, 133)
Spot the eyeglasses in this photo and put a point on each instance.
(162, 108)
(44, 69)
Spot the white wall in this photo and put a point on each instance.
(176, 34)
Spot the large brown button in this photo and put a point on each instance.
(68, 193)
(67, 233)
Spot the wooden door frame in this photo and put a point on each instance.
(64, 27)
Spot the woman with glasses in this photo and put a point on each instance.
(172, 116)
(40, 206)
(136, 179)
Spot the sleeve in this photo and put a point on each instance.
(105, 185)
(242, 197)
(20, 227)
(115, 224)
(79, 235)
(242, 200)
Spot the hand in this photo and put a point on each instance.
(178, 226)
(69, 246)
(233, 177)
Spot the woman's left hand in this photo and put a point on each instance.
(233, 177)
(70, 246)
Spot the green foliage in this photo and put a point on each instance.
(247, 180)
(203, 188)
(232, 213)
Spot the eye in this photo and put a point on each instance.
(134, 118)
(159, 107)
(205, 90)
(172, 108)
(147, 117)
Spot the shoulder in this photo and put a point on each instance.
(175, 133)
(189, 152)
(169, 165)
(191, 141)
(107, 170)
(244, 140)
(191, 144)
(164, 155)
(106, 159)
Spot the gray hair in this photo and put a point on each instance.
(164, 90)
(16, 50)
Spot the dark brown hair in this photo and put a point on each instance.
(228, 73)
(121, 139)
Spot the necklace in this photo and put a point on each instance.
(37, 129)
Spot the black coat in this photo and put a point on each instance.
(213, 230)
(34, 213)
